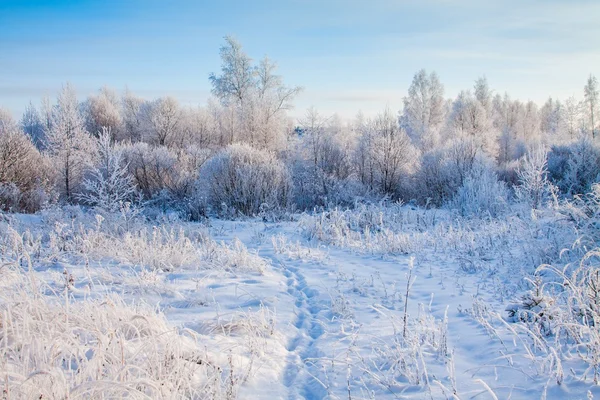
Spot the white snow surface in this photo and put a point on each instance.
(302, 309)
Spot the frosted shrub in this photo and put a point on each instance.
(313, 187)
(536, 308)
(443, 171)
(26, 177)
(481, 193)
(154, 169)
(108, 185)
(534, 187)
(574, 167)
(244, 178)
(10, 196)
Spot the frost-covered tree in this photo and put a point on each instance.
(273, 99)
(552, 118)
(133, 116)
(197, 127)
(32, 125)
(469, 118)
(25, 176)
(164, 116)
(592, 97)
(392, 153)
(108, 185)
(530, 122)
(313, 127)
(506, 147)
(321, 160)
(385, 154)
(254, 98)
(424, 110)
(237, 74)
(483, 94)
(46, 112)
(364, 161)
(572, 115)
(69, 145)
(103, 111)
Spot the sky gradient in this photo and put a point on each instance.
(348, 55)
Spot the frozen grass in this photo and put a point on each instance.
(70, 338)
(329, 306)
(54, 347)
(167, 246)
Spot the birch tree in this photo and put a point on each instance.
(69, 145)
(592, 95)
(424, 109)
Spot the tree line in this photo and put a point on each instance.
(242, 153)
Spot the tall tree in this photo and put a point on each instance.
(237, 74)
(32, 125)
(592, 95)
(469, 118)
(69, 144)
(103, 111)
(483, 94)
(254, 98)
(164, 119)
(133, 110)
(552, 117)
(424, 109)
(572, 113)
(273, 98)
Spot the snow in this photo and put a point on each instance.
(303, 309)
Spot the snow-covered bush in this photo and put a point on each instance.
(574, 167)
(109, 185)
(164, 176)
(151, 167)
(481, 193)
(314, 187)
(10, 196)
(534, 187)
(26, 177)
(442, 171)
(245, 179)
(321, 163)
(536, 308)
(384, 156)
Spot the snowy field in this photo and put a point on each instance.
(374, 303)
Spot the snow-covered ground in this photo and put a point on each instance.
(373, 303)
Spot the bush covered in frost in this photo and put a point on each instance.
(246, 180)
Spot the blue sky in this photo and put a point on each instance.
(348, 55)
